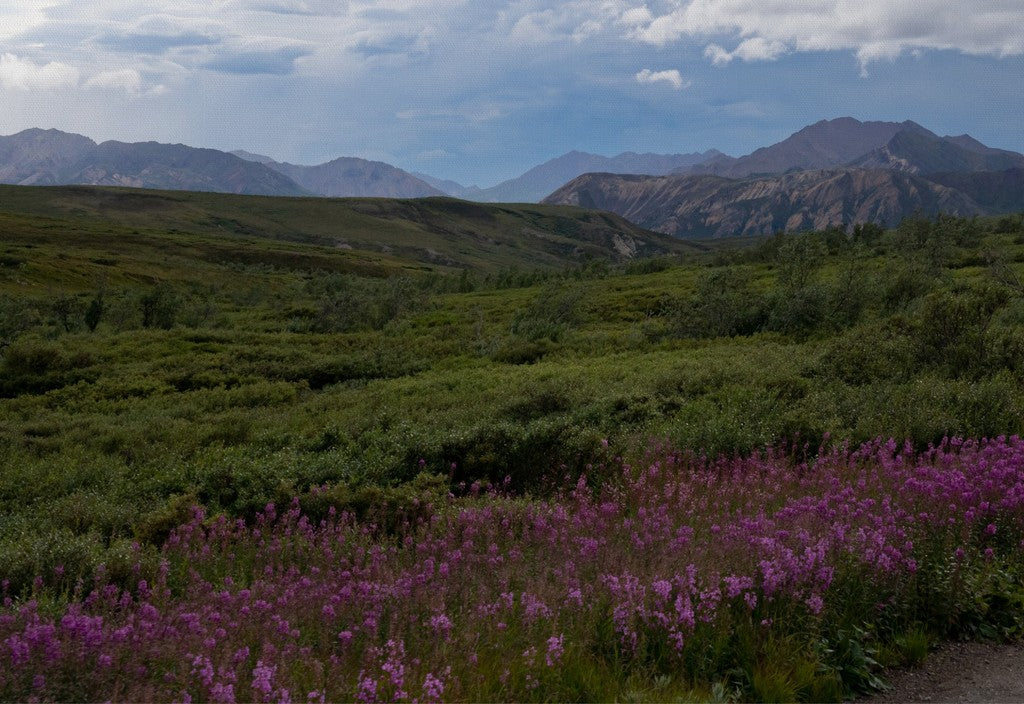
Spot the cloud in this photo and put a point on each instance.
(636, 16)
(18, 17)
(672, 77)
(384, 44)
(756, 49)
(154, 43)
(127, 80)
(871, 29)
(22, 74)
(279, 62)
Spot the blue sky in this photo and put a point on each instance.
(480, 90)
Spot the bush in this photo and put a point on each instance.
(551, 313)
(35, 366)
(951, 326)
(159, 307)
(723, 305)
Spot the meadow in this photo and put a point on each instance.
(248, 463)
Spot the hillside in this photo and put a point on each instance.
(686, 205)
(373, 236)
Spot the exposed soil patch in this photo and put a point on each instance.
(961, 672)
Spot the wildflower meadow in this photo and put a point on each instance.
(778, 576)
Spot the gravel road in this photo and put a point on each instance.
(961, 672)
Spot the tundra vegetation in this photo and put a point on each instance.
(759, 471)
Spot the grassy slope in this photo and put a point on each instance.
(364, 236)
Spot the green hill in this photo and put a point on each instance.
(162, 230)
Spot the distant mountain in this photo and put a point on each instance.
(823, 145)
(249, 156)
(541, 180)
(834, 172)
(696, 205)
(352, 177)
(452, 188)
(50, 157)
(177, 167)
(349, 177)
(922, 152)
(845, 141)
(40, 157)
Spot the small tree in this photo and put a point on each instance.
(66, 309)
(159, 307)
(94, 313)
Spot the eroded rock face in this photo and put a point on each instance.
(688, 205)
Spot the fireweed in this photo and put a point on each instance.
(678, 565)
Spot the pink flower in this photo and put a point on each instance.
(262, 678)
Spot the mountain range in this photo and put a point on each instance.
(50, 157)
(541, 180)
(835, 172)
(348, 177)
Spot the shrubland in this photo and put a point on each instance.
(154, 400)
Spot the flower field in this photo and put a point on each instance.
(773, 576)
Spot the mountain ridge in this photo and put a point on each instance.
(350, 177)
(817, 177)
(703, 205)
(534, 184)
(52, 157)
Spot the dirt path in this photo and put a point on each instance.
(961, 672)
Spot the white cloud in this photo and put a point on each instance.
(756, 49)
(671, 76)
(871, 29)
(127, 80)
(22, 74)
(545, 21)
(636, 16)
(17, 17)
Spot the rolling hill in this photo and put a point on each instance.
(371, 236)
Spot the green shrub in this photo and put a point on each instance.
(154, 527)
(159, 307)
(35, 366)
(722, 305)
(549, 315)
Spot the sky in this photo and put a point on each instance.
(479, 91)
